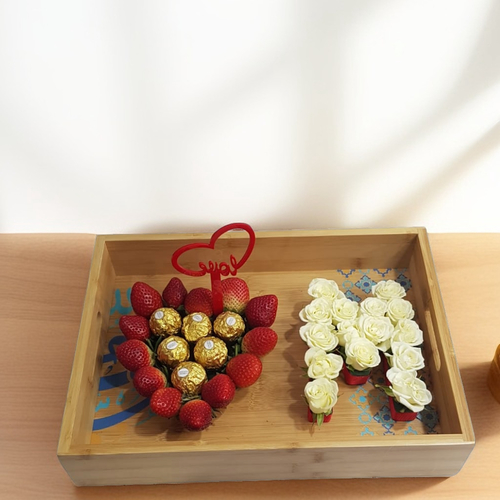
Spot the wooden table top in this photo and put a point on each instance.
(42, 286)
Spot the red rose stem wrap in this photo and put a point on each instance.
(325, 420)
(351, 379)
(397, 416)
(216, 269)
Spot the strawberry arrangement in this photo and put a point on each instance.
(187, 360)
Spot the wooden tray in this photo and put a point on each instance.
(109, 435)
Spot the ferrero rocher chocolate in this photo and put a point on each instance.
(210, 352)
(172, 351)
(229, 326)
(165, 321)
(195, 326)
(188, 377)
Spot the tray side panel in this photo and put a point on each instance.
(283, 251)
(265, 465)
(79, 409)
(448, 388)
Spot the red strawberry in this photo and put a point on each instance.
(174, 294)
(244, 369)
(166, 402)
(144, 299)
(134, 327)
(134, 354)
(235, 295)
(259, 341)
(219, 391)
(196, 415)
(199, 300)
(148, 379)
(261, 311)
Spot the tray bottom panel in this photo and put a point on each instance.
(274, 406)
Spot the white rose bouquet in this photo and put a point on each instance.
(391, 318)
(344, 309)
(361, 355)
(335, 323)
(323, 288)
(388, 290)
(380, 315)
(406, 357)
(343, 335)
(372, 306)
(409, 390)
(319, 333)
(398, 309)
(318, 311)
(408, 331)
(378, 330)
(321, 396)
(407, 394)
(322, 365)
(402, 355)
(345, 328)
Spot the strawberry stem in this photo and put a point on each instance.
(164, 369)
(189, 397)
(157, 343)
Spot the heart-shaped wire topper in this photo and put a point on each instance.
(216, 269)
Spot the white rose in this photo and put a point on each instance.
(321, 395)
(346, 327)
(372, 306)
(321, 287)
(408, 389)
(320, 364)
(405, 357)
(377, 330)
(398, 309)
(319, 335)
(361, 353)
(318, 311)
(408, 331)
(344, 309)
(387, 290)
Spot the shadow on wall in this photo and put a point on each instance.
(320, 188)
(323, 175)
(444, 175)
(320, 181)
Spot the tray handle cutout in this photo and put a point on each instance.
(429, 321)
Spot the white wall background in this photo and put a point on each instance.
(122, 116)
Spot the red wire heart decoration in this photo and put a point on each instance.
(216, 269)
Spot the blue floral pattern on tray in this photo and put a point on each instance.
(365, 284)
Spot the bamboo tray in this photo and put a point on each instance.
(110, 437)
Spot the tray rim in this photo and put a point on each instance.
(70, 449)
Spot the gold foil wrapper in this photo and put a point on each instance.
(172, 351)
(229, 326)
(188, 377)
(210, 352)
(196, 326)
(165, 321)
